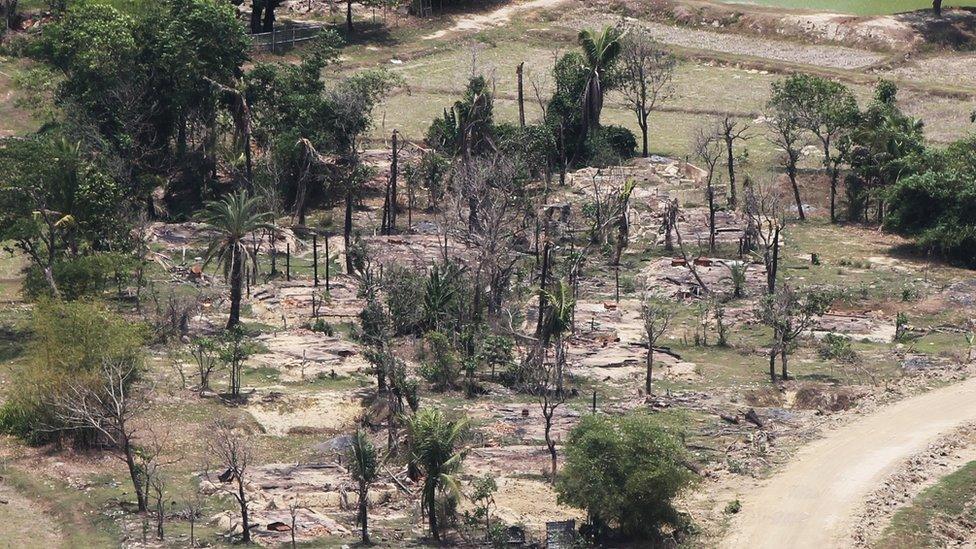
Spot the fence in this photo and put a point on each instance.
(286, 37)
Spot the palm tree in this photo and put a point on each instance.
(434, 447)
(233, 218)
(558, 320)
(364, 468)
(600, 50)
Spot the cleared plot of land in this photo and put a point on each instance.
(838, 57)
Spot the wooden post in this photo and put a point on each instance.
(272, 40)
(391, 228)
(594, 401)
(313, 304)
(521, 95)
(315, 260)
(288, 261)
(327, 261)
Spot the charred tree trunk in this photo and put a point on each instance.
(236, 281)
(521, 94)
(257, 9)
(347, 232)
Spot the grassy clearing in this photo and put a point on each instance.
(947, 501)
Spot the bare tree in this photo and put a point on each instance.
(732, 131)
(109, 407)
(232, 451)
(707, 147)
(151, 458)
(657, 316)
(765, 223)
(669, 223)
(192, 509)
(647, 72)
(488, 218)
(550, 398)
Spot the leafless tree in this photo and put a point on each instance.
(152, 457)
(733, 131)
(233, 452)
(707, 148)
(657, 316)
(192, 508)
(765, 223)
(550, 398)
(488, 218)
(647, 72)
(109, 406)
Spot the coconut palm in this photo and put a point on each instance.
(364, 468)
(600, 50)
(435, 448)
(233, 218)
(557, 322)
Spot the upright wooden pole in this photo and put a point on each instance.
(288, 261)
(328, 259)
(393, 182)
(315, 260)
(521, 94)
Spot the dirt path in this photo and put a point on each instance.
(814, 500)
(494, 18)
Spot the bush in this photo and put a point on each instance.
(404, 290)
(837, 347)
(625, 472)
(610, 145)
(441, 365)
(85, 276)
(322, 327)
(70, 343)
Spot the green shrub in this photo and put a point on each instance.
(609, 146)
(404, 290)
(625, 471)
(85, 276)
(322, 327)
(70, 343)
(837, 347)
(441, 365)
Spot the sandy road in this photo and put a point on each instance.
(812, 501)
(495, 18)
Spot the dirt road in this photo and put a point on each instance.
(813, 500)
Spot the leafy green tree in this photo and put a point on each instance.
(828, 109)
(790, 315)
(55, 203)
(785, 120)
(600, 52)
(625, 472)
(234, 218)
(435, 447)
(467, 128)
(883, 148)
(364, 468)
(935, 207)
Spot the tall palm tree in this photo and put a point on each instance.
(558, 321)
(600, 50)
(233, 218)
(435, 447)
(364, 468)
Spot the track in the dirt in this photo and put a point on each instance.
(811, 503)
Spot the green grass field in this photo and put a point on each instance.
(858, 7)
(949, 499)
